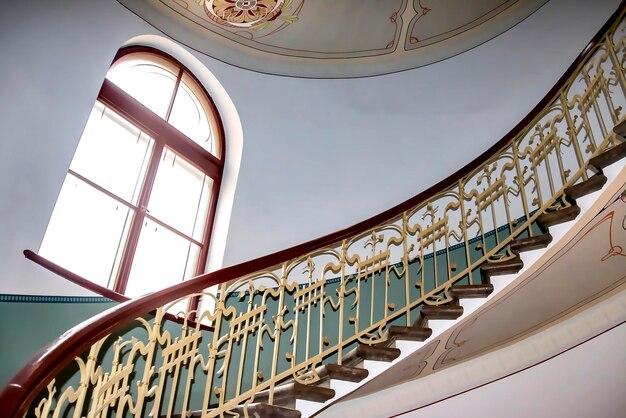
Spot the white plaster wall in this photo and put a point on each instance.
(319, 155)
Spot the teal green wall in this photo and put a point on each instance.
(28, 323)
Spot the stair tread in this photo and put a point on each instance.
(263, 410)
(609, 156)
(620, 129)
(471, 290)
(509, 266)
(371, 352)
(256, 409)
(342, 372)
(295, 390)
(530, 243)
(592, 184)
(409, 333)
(446, 311)
(558, 216)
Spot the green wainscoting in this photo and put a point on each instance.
(30, 322)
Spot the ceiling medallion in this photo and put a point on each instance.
(243, 13)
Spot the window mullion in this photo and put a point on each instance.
(137, 223)
(208, 228)
(171, 105)
(194, 302)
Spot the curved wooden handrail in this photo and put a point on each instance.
(28, 382)
(73, 277)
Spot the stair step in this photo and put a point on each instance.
(263, 410)
(447, 311)
(592, 184)
(409, 333)
(341, 372)
(287, 393)
(256, 410)
(489, 269)
(371, 352)
(609, 156)
(531, 243)
(620, 129)
(558, 216)
(465, 291)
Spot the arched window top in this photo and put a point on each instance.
(168, 89)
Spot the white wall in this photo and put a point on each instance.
(319, 155)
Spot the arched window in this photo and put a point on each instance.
(136, 210)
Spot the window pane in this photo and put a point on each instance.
(86, 232)
(148, 78)
(189, 114)
(180, 195)
(112, 153)
(179, 308)
(162, 259)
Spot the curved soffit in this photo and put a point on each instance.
(330, 38)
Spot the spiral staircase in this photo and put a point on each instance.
(290, 398)
(290, 333)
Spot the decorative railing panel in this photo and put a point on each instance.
(283, 322)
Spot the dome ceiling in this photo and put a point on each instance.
(332, 38)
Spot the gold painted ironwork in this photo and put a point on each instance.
(283, 323)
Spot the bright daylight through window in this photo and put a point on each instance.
(136, 209)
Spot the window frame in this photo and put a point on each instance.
(164, 136)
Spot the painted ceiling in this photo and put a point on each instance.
(332, 38)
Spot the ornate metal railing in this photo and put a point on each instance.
(305, 308)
